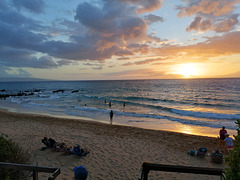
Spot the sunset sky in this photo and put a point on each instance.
(119, 39)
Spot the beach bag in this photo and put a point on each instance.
(192, 152)
(202, 152)
(217, 158)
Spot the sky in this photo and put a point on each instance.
(119, 39)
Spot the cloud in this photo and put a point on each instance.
(99, 32)
(215, 46)
(141, 74)
(210, 15)
(151, 18)
(211, 7)
(147, 61)
(25, 58)
(10, 72)
(200, 25)
(112, 27)
(97, 68)
(221, 25)
(35, 6)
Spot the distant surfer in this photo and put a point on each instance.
(111, 116)
(124, 104)
(110, 104)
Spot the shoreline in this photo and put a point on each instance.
(164, 125)
(116, 151)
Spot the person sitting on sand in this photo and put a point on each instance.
(45, 141)
(80, 173)
(229, 142)
(222, 134)
(79, 151)
(217, 157)
(50, 143)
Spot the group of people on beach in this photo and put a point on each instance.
(217, 156)
(62, 147)
(80, 172)
(226, 139)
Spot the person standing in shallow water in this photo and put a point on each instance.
(111, 116)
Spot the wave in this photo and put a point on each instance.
(206, 114)
(43, 105)
(136, 100)
(197, 114)
(208, 123)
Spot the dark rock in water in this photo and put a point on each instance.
(74, 91)
(36, 90)
(2, 90)
(21, 93)
(59, 90)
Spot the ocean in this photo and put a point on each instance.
(192, 106)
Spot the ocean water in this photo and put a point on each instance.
(194, 106)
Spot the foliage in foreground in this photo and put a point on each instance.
(233, 160)
(11, 152)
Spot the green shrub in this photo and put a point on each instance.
(11, 152)
(233, 160)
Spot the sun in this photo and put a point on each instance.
(188, 70)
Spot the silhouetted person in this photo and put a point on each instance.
(111, 116)
(222, 134)
(124, 104)
(110, 104)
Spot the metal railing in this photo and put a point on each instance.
(146, 167)
(32, 168)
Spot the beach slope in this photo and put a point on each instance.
(116, 152)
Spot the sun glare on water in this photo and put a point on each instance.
(188, 70)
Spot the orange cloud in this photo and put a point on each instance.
(214, 7)
(227, 44)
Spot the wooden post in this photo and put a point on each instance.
(35, 175)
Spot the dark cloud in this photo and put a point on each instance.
(151, 18)
(25, 58)
(97, 68)
(35, 6)
(99, 33)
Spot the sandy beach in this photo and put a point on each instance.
(116, 152)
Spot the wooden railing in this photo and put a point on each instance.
(146, 167)
(32, 168)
